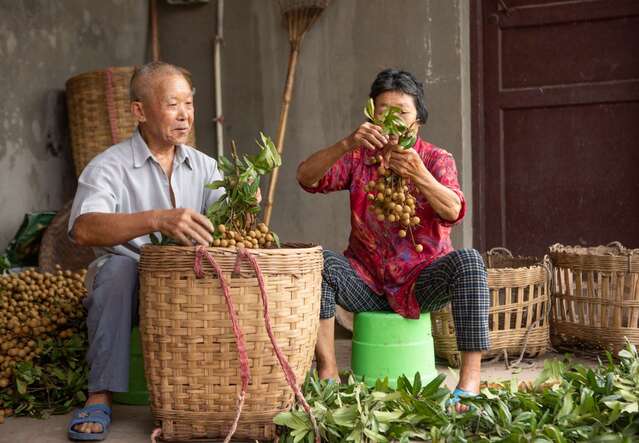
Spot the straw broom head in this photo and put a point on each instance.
(299, 16)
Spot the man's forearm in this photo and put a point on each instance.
(311, 170)
(103, 229)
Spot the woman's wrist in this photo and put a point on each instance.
(346, 145)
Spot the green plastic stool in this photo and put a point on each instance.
(138, 393)
(386, 344)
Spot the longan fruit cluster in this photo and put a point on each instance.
(258, 237)
(390, 199)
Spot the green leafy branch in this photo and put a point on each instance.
(238, 207)
(392, 124)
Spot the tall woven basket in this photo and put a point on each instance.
(518, 316)
(595, 296)
(100, 112)
(192, 355)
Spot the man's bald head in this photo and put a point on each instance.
(145, 77)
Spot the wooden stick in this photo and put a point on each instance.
(155, 43)
(217, 70)
(286, 101)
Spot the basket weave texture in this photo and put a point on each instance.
(57, 249)
(190, 354)
(100, 112)
(595, 295)
(518, 316)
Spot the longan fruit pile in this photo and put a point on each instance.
(258, 237)
(34, 306)
(391, 201)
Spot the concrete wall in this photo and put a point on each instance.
(351, 42)
(42, 44)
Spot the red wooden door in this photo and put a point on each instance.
(555, 122)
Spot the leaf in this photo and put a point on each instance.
(21, 386)
(345, 416)
(369, 110)
(216, 184)
(154, 238)
(276, 239)
(417, 384)
(387, 416)
(375, 436)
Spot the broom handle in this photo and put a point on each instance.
(155, 42)
(286, 101)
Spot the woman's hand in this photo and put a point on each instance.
(406, 162)
(368, 135)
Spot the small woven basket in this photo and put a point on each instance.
(595, 296)
(518, 316)
(100, 112)
(190, 350)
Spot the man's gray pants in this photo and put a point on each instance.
(112, 306)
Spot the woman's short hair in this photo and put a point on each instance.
(402, 81)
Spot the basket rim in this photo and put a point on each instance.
(234, 250)
(115, 69)
(538, 264)
(606, 251)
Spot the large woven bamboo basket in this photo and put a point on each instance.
(518, 316)
(190, 353)
(99, 111)
(595, 296)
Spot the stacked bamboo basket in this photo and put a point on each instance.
(595, 296)
(190, 354)
(518, 316)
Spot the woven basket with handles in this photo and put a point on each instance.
(100, 112)
(190, 350)
(595, 295)
(518, 316)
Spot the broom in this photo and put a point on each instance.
(299, 16)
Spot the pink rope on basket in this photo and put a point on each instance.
(201, 252)
(286, 367)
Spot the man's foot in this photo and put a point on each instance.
(95, 398)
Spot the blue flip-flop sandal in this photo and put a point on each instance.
(457, 395)
(96, 413)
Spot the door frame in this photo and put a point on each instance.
(477, 123)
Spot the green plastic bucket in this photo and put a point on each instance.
(386, 344)
(138, 393)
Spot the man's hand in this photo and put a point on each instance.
(367, 135)
(185, 225)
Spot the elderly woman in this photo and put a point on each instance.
(381, 271)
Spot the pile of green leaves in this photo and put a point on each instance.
(392, 124)
(566, 403)
(54, 383)
(237, 208)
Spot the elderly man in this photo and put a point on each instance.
(149, 183)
